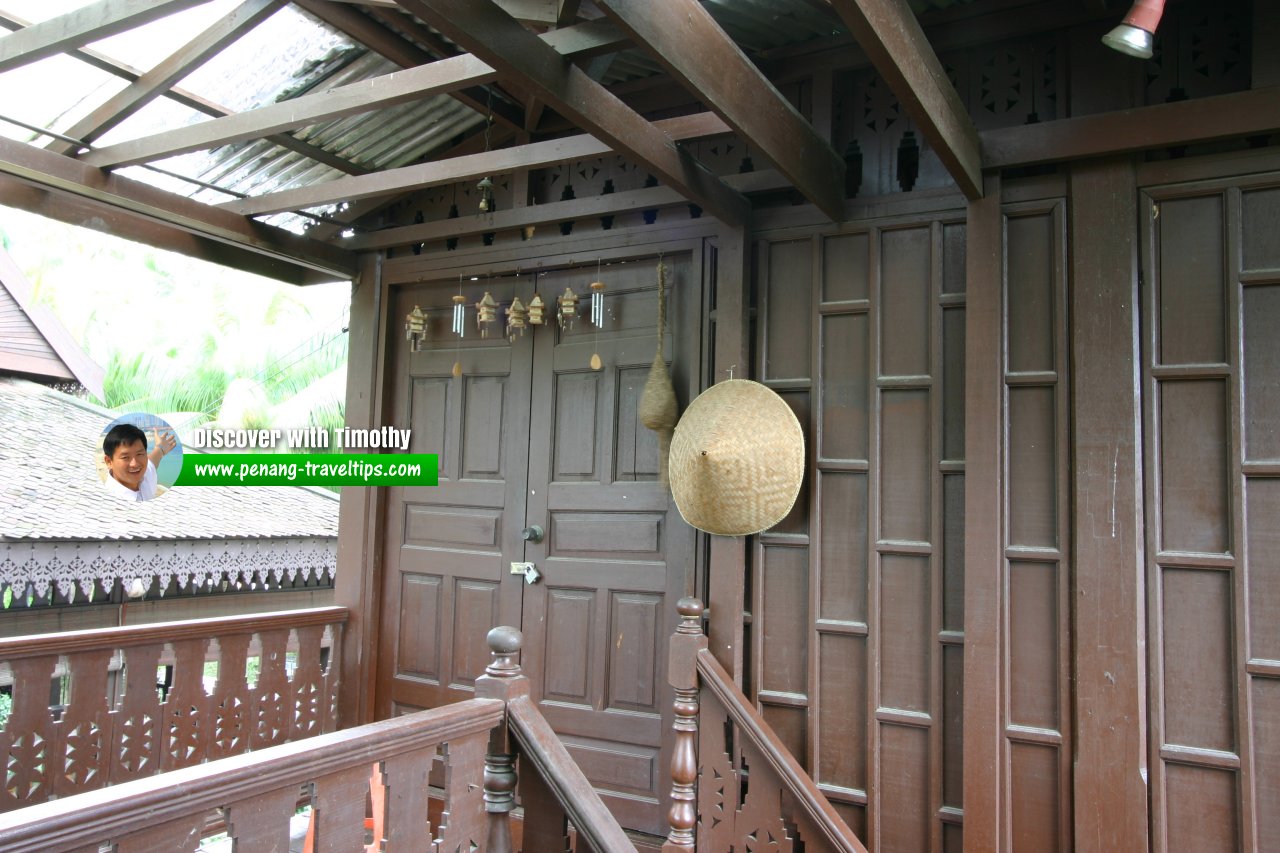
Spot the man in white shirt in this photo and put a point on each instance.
(131, 470)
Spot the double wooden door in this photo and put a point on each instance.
(530, 435)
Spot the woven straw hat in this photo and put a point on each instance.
(737, 459)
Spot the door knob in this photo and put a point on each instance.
(533, 533)
(529, 570)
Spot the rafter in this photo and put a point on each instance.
(683, 37)
(500, 40)
(363, 29)
(363, 96)
(168, 71)
(890, 34)
(66, 176)
(532, 156)
(81, 26)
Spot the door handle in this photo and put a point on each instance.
(529, 570)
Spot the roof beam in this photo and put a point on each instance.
(193, 101)
(170, 70)
(78, 27)
(890, 34)
(67, 176)
(684, 38)
(548, 214)
(1240, 114)
(363, 29)
(406, 178)
(500, 40)
(434, 78)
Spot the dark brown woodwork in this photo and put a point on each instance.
(170, 70)
(502, 42)
(260, 791)
(684, 38)
(1110, 588)
(99, 738)
(890, 34)
(415, 83)
(682, 673)
(81, 26)
(1240, 114)
(361, 513)
(58, 174)
(985, 772)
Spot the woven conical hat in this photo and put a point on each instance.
(737, 459)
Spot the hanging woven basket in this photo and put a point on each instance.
(658, 408)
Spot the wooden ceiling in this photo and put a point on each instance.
(535, 66)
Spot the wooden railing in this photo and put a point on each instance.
(108, 706)
(720, 738)
(369, 788)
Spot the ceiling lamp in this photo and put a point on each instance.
(1135, 35)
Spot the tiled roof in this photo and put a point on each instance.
(49, 487)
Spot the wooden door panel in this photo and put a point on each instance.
(447, 547)
(616, 551)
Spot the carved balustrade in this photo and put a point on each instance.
(369, 788)
(734, 785)
(107, 706)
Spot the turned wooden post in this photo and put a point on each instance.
(687, 641)
(503, 680)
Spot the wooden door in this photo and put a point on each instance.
(531, 435)
(448, 548)
(616, 554)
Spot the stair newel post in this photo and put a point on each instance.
(503, 680)
(687, 641)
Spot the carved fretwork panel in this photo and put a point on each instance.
(1199, 53)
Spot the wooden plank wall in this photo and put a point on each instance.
(1211, 369)
(857, 635)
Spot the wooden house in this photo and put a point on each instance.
(1019, 288)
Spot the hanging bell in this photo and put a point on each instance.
(486, 314)
(517, 317)
(597, 304)
(460, 315)
(485, 190)
(537, 311)
(567, 311)
(415, 329)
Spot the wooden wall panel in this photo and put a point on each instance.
(1213, 493)
(857, 618)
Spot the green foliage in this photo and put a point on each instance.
(6, 708)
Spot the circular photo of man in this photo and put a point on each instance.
(141, 457)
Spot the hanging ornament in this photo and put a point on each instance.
(517, 317)
(658, 410)
(597, 304)
(486, 314)
(567, 310)
(415, 329)
(460, 315)
(485, 190)
(537, 311)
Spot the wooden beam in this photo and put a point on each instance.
(363, 29)
(501, 41)
(60, 174)
(684, 38)
(1252, 113)
(107, 219)
(890, 34)
(362, 96)
(532, 156)
(81, 26)
(170, 70)
(548, 214)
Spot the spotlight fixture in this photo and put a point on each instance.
(1135, 35)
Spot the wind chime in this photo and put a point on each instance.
(486, 314)
(459, 325)
(597, 315)
(415, 329)
(517, 319)
(537, 308)
(567, 309)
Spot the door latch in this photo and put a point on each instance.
(529, 570)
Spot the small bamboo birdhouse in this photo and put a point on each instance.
(537, 311)
(415, 329)
(517, 318)
(486, 314)
(567, 310)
